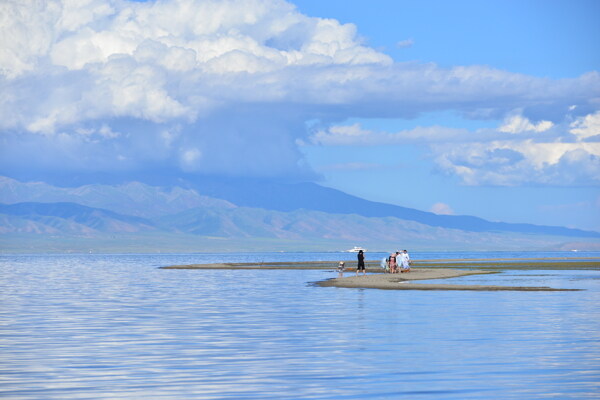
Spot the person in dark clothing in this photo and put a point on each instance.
(361, 263)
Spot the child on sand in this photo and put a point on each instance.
(340, 269)
(385, 264)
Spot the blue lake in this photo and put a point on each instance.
(118, 327)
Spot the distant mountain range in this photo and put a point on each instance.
(310, 196)
(66, 218)
(133, 198)
(241, 209)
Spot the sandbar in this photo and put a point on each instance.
(266, 265)
(422, 270)
(405, 281)
(494, 264)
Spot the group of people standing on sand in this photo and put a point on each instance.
(396, 262)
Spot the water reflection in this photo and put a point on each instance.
(117, 327)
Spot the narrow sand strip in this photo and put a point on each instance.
(269, 265)
(373, 265)
(404, 281)
(376, 279)
(512, 264)
(435, 260)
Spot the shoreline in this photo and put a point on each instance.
(422, 270)
(373, 266)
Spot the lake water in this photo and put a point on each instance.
(118, 327)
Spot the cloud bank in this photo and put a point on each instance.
(517, 152)
(226, 87)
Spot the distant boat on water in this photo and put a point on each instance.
(356, 249)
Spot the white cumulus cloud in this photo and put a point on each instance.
(405, 43)
(492, 156)
(190, 159)
(509, 163)
(518, 124)
(355, 134)
(442, 209)
(587, 126)
(229, 77)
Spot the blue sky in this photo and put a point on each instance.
(554, 39)
(466, 107)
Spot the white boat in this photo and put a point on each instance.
(356, 249)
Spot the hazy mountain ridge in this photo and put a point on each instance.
(241, 225)
(140, 208)
(240, 222)
(66, 218)
(133, 198)
(295, 196)
(306, 224)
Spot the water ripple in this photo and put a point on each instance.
(116, 327)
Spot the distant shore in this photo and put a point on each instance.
(373, 265)
(422, 270)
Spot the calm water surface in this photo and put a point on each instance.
(117, 327)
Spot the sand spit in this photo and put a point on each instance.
(405, 281)
(373, 265)
(269, 265)
(422, 270)
(519, 264)
(569, 259)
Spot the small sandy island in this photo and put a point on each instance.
(405, 281)
(423, 270)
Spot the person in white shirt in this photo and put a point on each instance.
(405, 261)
